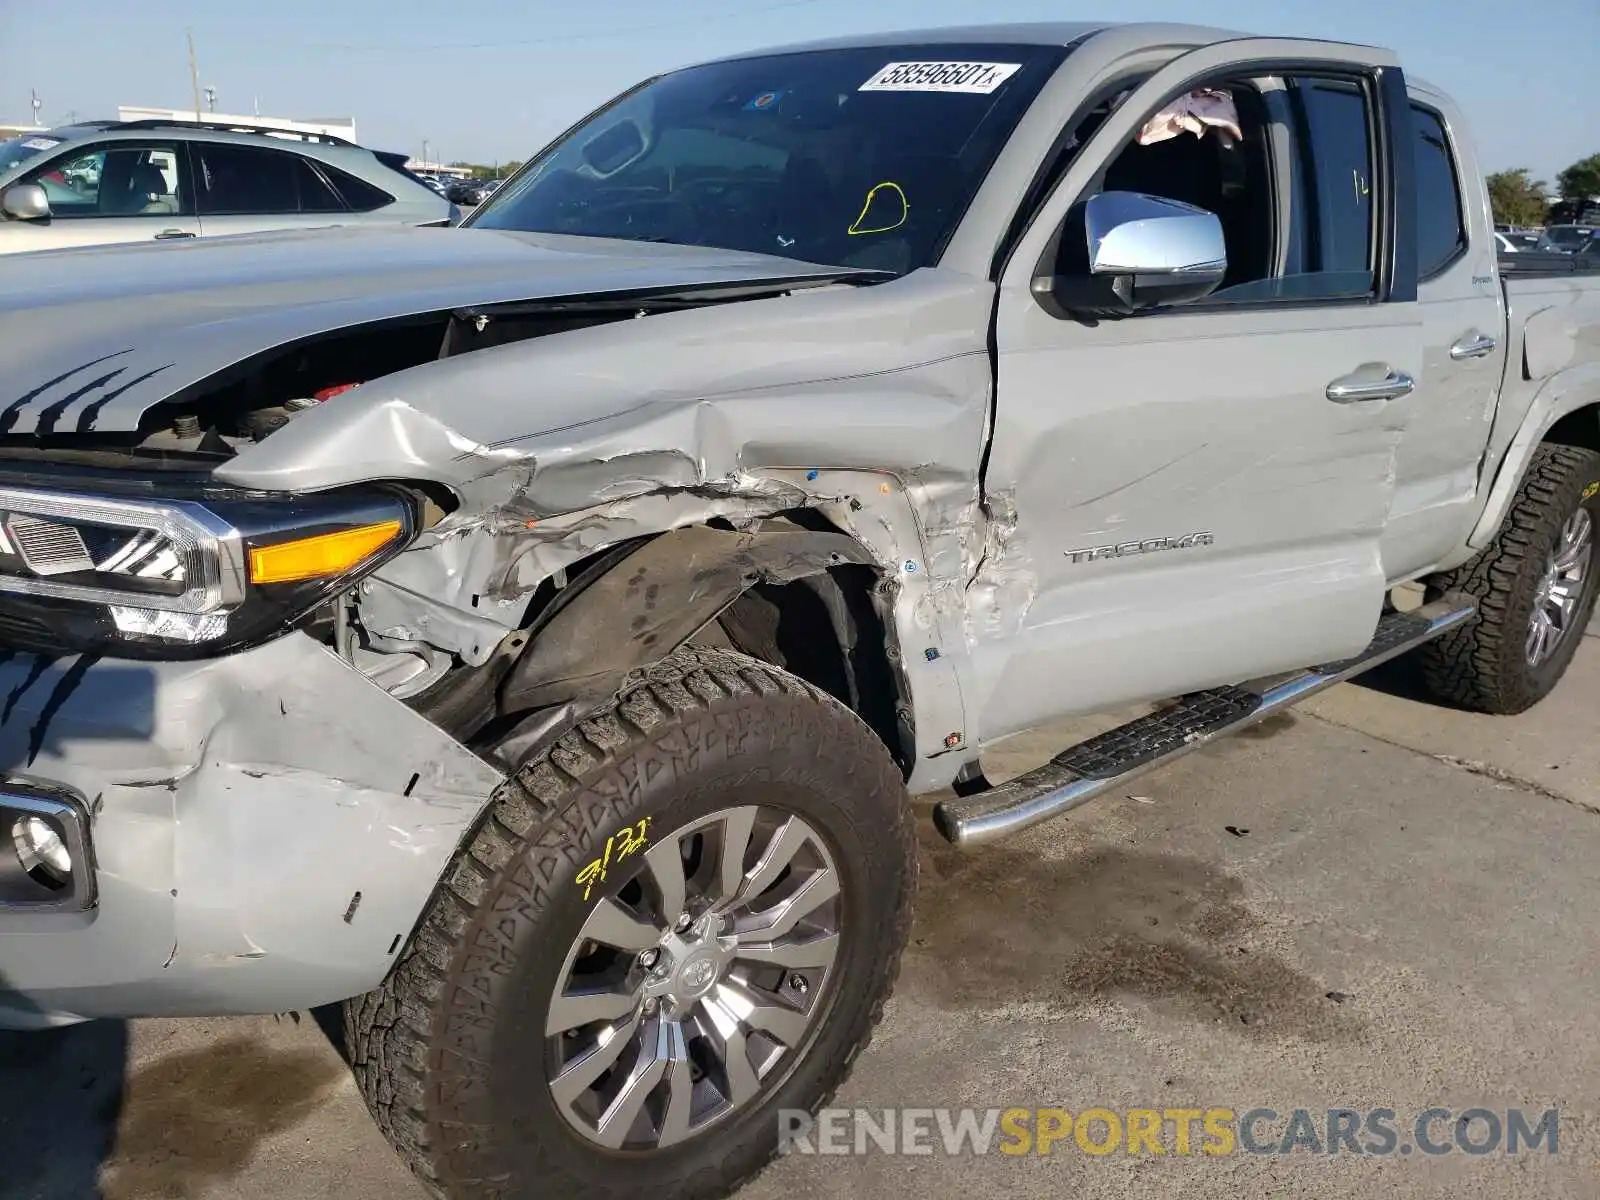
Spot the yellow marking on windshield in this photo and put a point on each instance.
(856, 230)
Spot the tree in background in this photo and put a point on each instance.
(1580, 183)
(1517, 199)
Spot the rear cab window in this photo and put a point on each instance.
(1441, 224)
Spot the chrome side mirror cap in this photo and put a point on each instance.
(1124, 252)
(25, 202)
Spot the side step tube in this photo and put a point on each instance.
(1105, 763)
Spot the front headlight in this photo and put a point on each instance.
(183, 578)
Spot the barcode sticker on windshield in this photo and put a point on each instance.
(974, 78)
(40, 143)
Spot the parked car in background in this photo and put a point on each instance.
(129, 181)
(472, 192)
(1567, 239)
(1514, 242)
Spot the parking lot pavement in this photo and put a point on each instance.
(1371, 903)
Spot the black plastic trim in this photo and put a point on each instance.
(1399, 189)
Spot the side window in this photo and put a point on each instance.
(236, 180)
(1286, 164)
(1210, 148)
(1441, 230)
(316, 195)
(255, 181)
(1334, 161)
(115, 180)
(358, 194)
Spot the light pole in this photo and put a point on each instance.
(424, 154)
(37, 105)
(211, 99)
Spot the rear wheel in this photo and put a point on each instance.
(1535, 588)
(682, 918)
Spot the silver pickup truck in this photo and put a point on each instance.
(528, 634)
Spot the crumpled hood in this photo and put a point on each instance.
(91, 339)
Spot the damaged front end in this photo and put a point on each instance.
(297, 615)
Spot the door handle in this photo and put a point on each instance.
(1355, 387)
(167, 235)
(1476, 346)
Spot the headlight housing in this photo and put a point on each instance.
(183, 578)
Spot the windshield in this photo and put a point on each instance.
(23, 148)
(860, 157)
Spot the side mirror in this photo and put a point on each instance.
(1123, 252)
(26, 202)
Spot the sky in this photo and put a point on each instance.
(490, 80)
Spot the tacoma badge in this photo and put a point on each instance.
(1127, 549)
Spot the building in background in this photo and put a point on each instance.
(339, 127)
(420, 166)
(7, 132)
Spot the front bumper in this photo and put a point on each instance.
(264, 830)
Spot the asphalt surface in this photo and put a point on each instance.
(1373, 903)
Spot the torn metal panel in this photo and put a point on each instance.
(873, 377)
(215, 786)
(916, 528)
(563, 446)
(1005, 582)
(656, 599)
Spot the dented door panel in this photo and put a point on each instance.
(1176, 500)
(1224, 436)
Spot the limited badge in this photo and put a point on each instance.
(973, 78)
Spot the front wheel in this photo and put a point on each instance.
(1535, 588)
(678, 921)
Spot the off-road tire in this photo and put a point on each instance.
(1482, 665)
(446, 1050)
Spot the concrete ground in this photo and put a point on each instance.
(1372, 903)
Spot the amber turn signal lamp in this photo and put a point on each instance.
(320, 556)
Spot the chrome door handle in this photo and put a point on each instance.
(1352, 388)
(1475, 346)
(167, 235)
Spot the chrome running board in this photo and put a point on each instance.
(1107, 762)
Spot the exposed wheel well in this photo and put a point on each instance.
(826, 629)
(820, 621)
(1581, 428)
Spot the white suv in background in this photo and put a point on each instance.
(131, 181)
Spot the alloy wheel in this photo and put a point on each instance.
(692, 988)
(1560, 591)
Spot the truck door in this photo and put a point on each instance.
(1196, 495)
(1463, 319)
